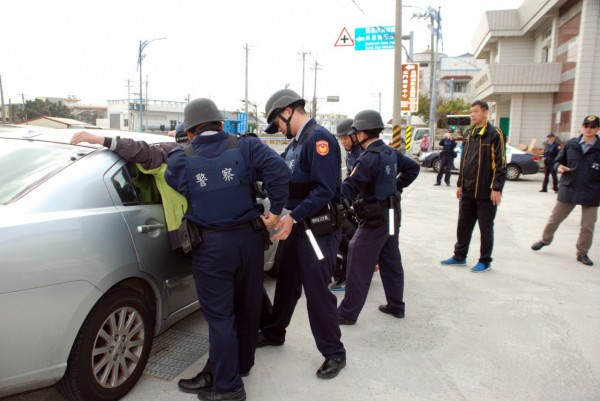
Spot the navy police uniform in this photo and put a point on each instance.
(314, 159)
(217, 178)
(351, 158)
(379, 174)
(446, 160)
(550, 152)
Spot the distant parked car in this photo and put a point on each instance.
(87, 274)
(517, 162)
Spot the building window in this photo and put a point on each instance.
(545, 54)
(126, 122)
(173, 124)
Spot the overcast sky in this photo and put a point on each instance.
(90, 49)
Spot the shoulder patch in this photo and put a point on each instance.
(322, 147)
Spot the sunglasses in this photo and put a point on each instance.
(588, 125)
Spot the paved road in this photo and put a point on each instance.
(527, 330)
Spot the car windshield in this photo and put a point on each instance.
(25, 164)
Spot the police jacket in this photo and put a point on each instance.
(581, 185)
(315, 162)
(367, 169)
(351, 158)
(447, 146)
(210, 149)
(483, 161)
(550, 152)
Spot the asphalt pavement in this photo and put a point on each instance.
(526, 330)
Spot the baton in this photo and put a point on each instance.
(313, 242)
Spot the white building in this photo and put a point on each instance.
(542, 70)
(124, 114)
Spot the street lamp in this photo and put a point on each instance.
(140, 58)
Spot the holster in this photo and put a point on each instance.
(329, 218)
(189, 236)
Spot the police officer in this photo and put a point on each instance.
(309, 233)
(379, 176)
(550, 152)
(446, 159)
(216, 173)
(353, 150)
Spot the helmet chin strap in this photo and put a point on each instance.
(288, 128)
(360, 143)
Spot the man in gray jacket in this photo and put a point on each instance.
(579, 165)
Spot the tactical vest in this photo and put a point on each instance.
(385, 183)
(350, 160)
(222, 181)
(299, 180)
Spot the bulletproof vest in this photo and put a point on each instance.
(351, 157)
(217, 182)
(385, 183)
(447, 146)
(300, 180)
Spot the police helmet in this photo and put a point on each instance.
(367, 120)
(180, 134)
(344, 127)
(279, 100)
(200, 111)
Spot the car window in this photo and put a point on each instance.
(26, 164)
(135, 187)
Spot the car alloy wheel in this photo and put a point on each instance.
(513, 172)
(111, 348)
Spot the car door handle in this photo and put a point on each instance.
(150, 227)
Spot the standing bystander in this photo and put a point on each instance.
(579, 165)
(480, 182)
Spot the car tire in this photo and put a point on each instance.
(111, 348)
(435, 164)
(513, 172)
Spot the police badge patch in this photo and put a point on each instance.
(322, 147)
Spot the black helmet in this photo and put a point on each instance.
(367, 120)
(180, 134)
(344, 127)
(279, 100)
(200, 111)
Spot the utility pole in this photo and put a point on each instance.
(129, 106)
(303, 54)
(314, 102)
(247, 49)
(2, 98)
(397, 104)
(24, 109)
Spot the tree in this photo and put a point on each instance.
(451, 107)
(39, 108)
(424, 105)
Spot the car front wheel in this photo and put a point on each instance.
(111, 348)
(513, 172)
(436, 165)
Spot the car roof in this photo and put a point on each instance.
(64, 136)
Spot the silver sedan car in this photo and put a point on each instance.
(87, 274)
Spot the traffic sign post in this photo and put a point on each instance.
(374, 38)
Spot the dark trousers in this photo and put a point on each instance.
(300, 268)
(369, 246)
(549, 169)
(470, 211)
(228, 272)
(446, 162)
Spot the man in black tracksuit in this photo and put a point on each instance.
(480, 181)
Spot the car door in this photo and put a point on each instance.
(139, 201)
